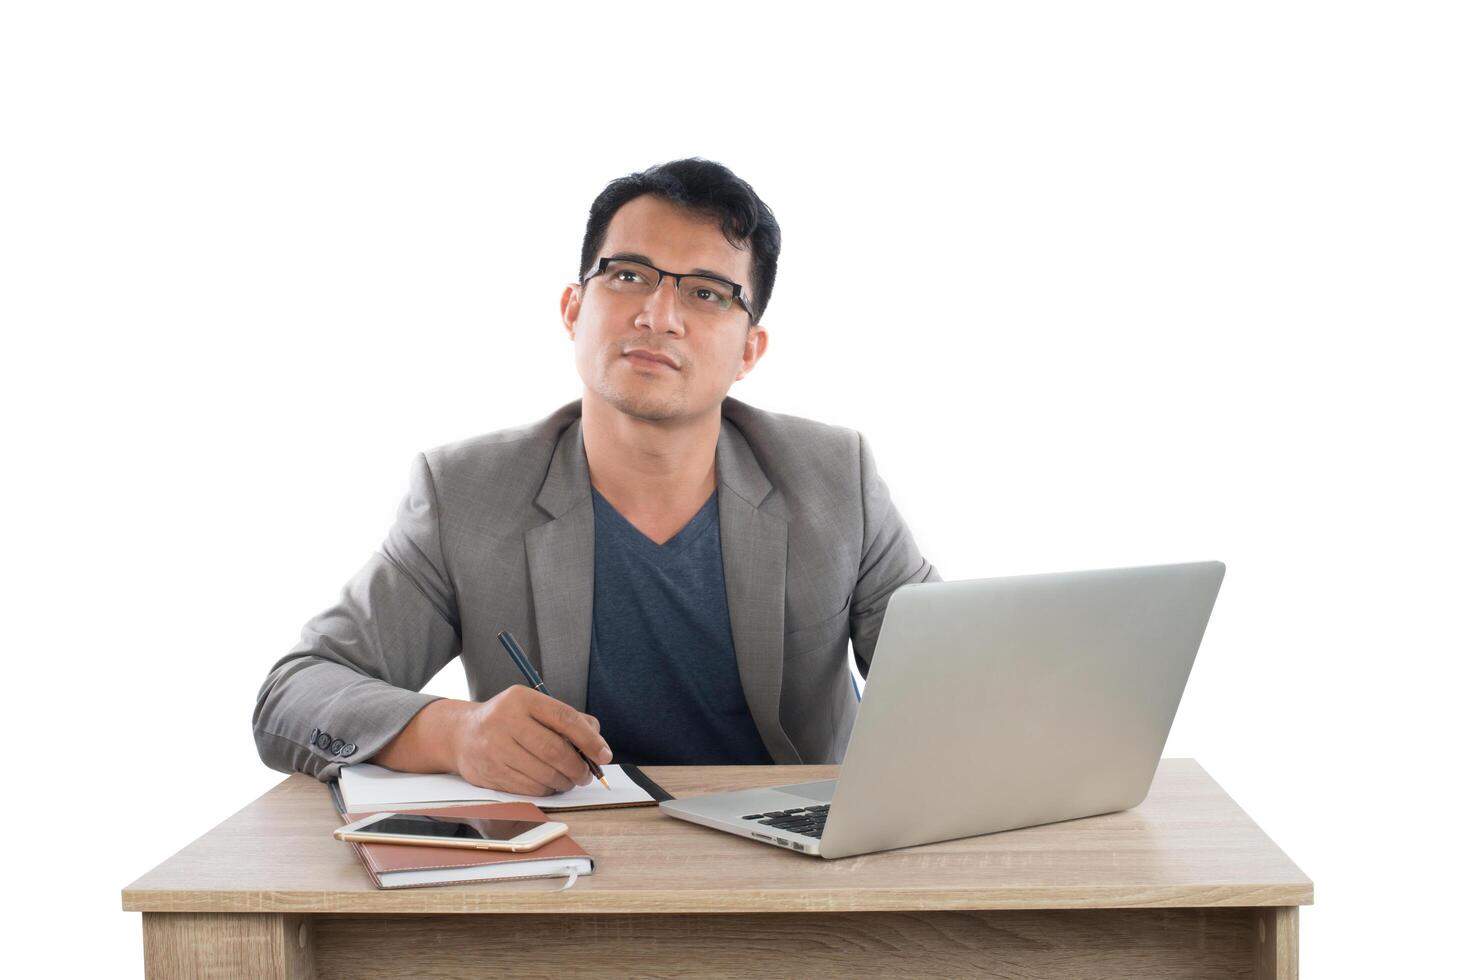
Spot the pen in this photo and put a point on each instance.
(534, 680)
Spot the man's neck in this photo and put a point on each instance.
(654, 473)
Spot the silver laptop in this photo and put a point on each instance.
(994, 704)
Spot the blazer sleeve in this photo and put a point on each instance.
(890, 558)
(353, 681)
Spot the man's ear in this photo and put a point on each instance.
(756, 340)
(570, 308)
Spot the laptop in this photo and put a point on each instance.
(994, 704)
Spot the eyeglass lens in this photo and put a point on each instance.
(699, 292)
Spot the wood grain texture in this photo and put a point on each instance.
(1076, 944)
(1278, 943)
(1187, 845)
(210, 945)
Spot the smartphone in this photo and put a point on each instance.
(473, 832)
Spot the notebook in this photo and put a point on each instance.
(369, 788)
(411, 866)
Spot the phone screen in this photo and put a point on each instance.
(464, 828)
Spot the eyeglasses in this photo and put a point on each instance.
(699, 293)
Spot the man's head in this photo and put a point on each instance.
(706, 188)
(690, 217)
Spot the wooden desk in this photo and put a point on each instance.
(1183, 886)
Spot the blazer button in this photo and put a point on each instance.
(337, 745)
(348, 749)
(314, 733)
(323, 740)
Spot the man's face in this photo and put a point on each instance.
(620, 338)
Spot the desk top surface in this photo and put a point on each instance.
(1188, 844)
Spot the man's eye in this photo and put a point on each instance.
(627, 275)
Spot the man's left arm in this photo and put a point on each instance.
(890, 558)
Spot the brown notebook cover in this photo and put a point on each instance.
(381, 859)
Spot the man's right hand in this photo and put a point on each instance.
(518, 742)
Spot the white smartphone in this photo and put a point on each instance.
(473, 832)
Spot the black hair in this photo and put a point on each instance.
(706, 188)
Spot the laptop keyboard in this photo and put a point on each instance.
(807, 821)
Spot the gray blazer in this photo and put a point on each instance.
(496, 532)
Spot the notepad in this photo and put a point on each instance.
(410, 866)
(368, 788)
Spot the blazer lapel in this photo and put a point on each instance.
(562, 575)
(754, 546)
(560, 555)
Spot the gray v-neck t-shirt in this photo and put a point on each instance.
(662, 678)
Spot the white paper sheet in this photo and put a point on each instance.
(368, 788)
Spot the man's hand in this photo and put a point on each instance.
(518, 742)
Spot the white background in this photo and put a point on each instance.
(1104, 284)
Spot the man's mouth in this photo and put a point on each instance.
(650, 358)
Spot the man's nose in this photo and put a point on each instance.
(661, 310)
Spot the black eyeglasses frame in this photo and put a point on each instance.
(677, 277)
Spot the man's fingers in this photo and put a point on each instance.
(565, 720)
(520, 784)
(548, 746)
(528, 763)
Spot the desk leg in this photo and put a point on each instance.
(1280, 943)
(207, 944)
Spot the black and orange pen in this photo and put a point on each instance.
(507, 640)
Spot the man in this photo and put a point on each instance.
(685, 571)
